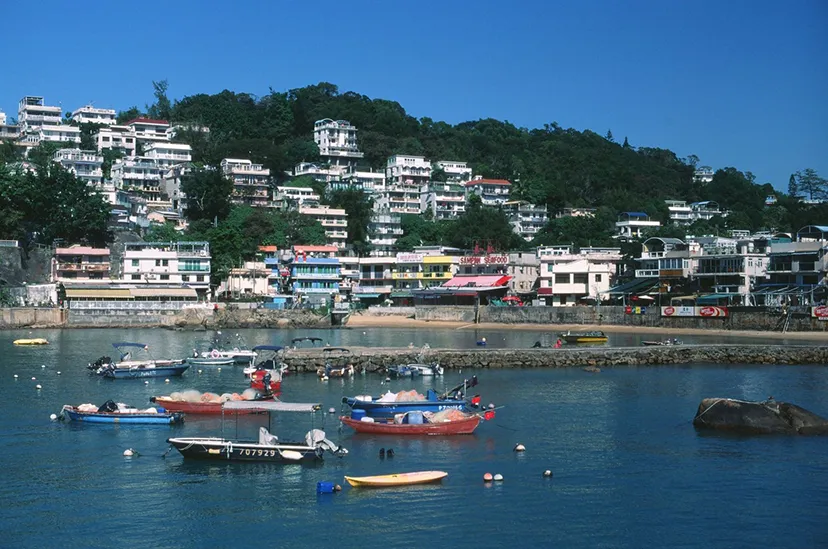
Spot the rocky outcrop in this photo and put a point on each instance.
(267, 318)
(766, 417)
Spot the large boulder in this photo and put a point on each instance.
(766, 417)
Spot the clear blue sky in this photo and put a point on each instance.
(739, 83)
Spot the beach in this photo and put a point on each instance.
(390, 321)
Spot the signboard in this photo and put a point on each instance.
(635, 310)
(712, 311)
(820, 313)
(678, 311)
(484, 260)
(409, 258)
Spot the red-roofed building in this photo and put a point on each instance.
(492, 192)
(77, 263)
(149, 130)
(316, 251)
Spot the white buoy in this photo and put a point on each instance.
(58, 372)
(42, 365)
(53, 417)
(167, 380)
(363, 333)
(547, 473)
(15, 376)
(520, 448)
(498, 477)
(38, 387)
(34, 378)
(324, 378)
(219, 369)
(129, 452)
(146, 383)
(199, 371)
(332, 410)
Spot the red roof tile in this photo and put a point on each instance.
(474, 182)
(81, 250)
(308, 249)
(268, 249)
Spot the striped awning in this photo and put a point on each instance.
(163, 292)
(98, 293)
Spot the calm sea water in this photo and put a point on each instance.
(629, 469)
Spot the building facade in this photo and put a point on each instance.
(168, 263)
(86, 165)
(92, 115)
(337, 142)
(527, 219)
(251, 182)
(80, 263)
(443, 200)
(492, 192)
(632, 225)
(567, 278)
(333, 220)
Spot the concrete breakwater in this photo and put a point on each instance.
(373, 359)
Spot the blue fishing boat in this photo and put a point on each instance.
(385, 408)
(127, 367)
(112, 413)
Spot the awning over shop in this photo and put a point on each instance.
(400, 294)
(477, 281)
(163, 292)
(714, 297)
(98, 293)
(366, 296)
(635, 286)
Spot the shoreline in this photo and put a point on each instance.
(366, 321)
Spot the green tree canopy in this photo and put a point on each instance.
(208, 194)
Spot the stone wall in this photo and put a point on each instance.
(377, 359)
(379, 310)
(31, 317)
(456, 313)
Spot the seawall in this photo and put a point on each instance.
(374, 359)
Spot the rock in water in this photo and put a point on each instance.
(763, 417)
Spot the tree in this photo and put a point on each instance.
(809, 182)
(626, 144)
(484, 225)
(162, 232)
(609, 136)
(208, 195)
(793, 187)
(129, 114)
(109, 157)
(162, 108)
(438, 174)
(359, 208)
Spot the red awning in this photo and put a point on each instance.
(544, 291)
(477, 281)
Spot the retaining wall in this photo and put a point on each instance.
(374, 359)
(25, 317)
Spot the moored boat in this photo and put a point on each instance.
(127, 368)
(398, 479)
(386, 406)
(113, 413)
(415, 370)
(662, 342)
(464, 426)
(585, 337)
(195, 402)
(31, 341)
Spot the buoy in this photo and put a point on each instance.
(15, 376)
(498, 477)
(167, 380)
(199, 371)
(491, 406)
(146, 383)
(42, 365)
(129, 452)
(34, 379)
(363, 333)
(547, 473)
(331, 410)
(487, 477)
(337, 488)
(520, 448)
(388, 380)
(389, 452)
(53, 417)
(58, 372)
(382, 452)
(38, 387)
(219, 369)
(324, 378)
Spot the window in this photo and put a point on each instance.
(134, 262)
(598, 278)
(135, 277)
(165, 262)
(165, 277)
(184, 278)
(157, 262)
(548, 267)
(200, 278)
(562, 278)
(581, 278)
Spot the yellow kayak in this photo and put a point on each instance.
(35, 341)
(399, 479)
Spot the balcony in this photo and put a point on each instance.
(316, 276)
(646, 273)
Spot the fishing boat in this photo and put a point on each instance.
(415, 370)
(196, 402)
(585, 337)
(662, 342)
(110, 412)
(421, 426)
(227, 349)
(268, 448)
(388, 405)
(31, 341)
(204, 354)
(126, 367)
(267, 372)
(397, 479)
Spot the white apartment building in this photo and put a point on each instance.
(445, 200)
(703, 175)
(120, 138)
(682, 213)
(365, 181)
(171, 185)
(168, 154)
(731, 270)
(288, 197)
(139, 176)
(318, 172)
(567, 277)
(667, 258)
(251, 182)
(32, 111)
(91, 115)
(168, 263)
(456, 172)
(492, 192)
(405, 176)
(384, 230)
(8, 131)
(337, 142)
(60, 133)
(86, 165)
(333, 220)
(148, 130)
(633, 225)
(527, 219)
(375, 280)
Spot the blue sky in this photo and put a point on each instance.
(738, 83)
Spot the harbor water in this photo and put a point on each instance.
(629, 468)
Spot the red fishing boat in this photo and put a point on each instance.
(212, 407)
(465, 426)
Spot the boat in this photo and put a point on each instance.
(397, 479)
(209, 356)
(386, 406)
(110, 412)
(464, 426)
(663, 342)
(585, 337)
(225, 349)
(31, 341)
(415, 370)
(205, 403)
(268, 448)
(127, 368)
(330, 370)
(313, 341)
(267, 368)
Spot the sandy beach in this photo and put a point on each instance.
(371, 321)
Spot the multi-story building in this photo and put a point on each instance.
(32, 112)
(405, 176)
(92, 115)
(80, 263)
(120, 138)
(522, 267)
(314, 273)
(445, 200)
(337, 142)
(732, 271)
(575, 212)
(86, 165)
(527, 219)
(670, 261)
(61, 133)
(427, 266)
(318, 172)
(492, 192)
(168, 154)
(567, 277)
(365, 181)
(251, 182)
(8, 131)
(171, 185)
(288, 197)
(147, 130)
(168, 263)
(375, 280)
(682, 213)
(633, 225)
(138, 175)
(383, 231)
(333, 220)
(703, 175)
(796, 268)
(252, 279)
(456, 172)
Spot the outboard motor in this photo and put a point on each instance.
(99, 362)
(316, 438)
(109, 406)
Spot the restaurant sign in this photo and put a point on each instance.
(710, 311)
(820, 312)
(484, 260)
(409, 258)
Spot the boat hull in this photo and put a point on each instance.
(110, 417)
(376, 409)
(400, 479)
(158, 371)
(210, 361)
(459, 427)
(205, 408)
(34, 341)
(217, 449)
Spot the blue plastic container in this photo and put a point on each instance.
(415, 418)
(357, 414)
(324, 487)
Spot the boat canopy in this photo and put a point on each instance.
(274, 348)
(332, 349)
(270, 406)
(311, 339)
(128, 344)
